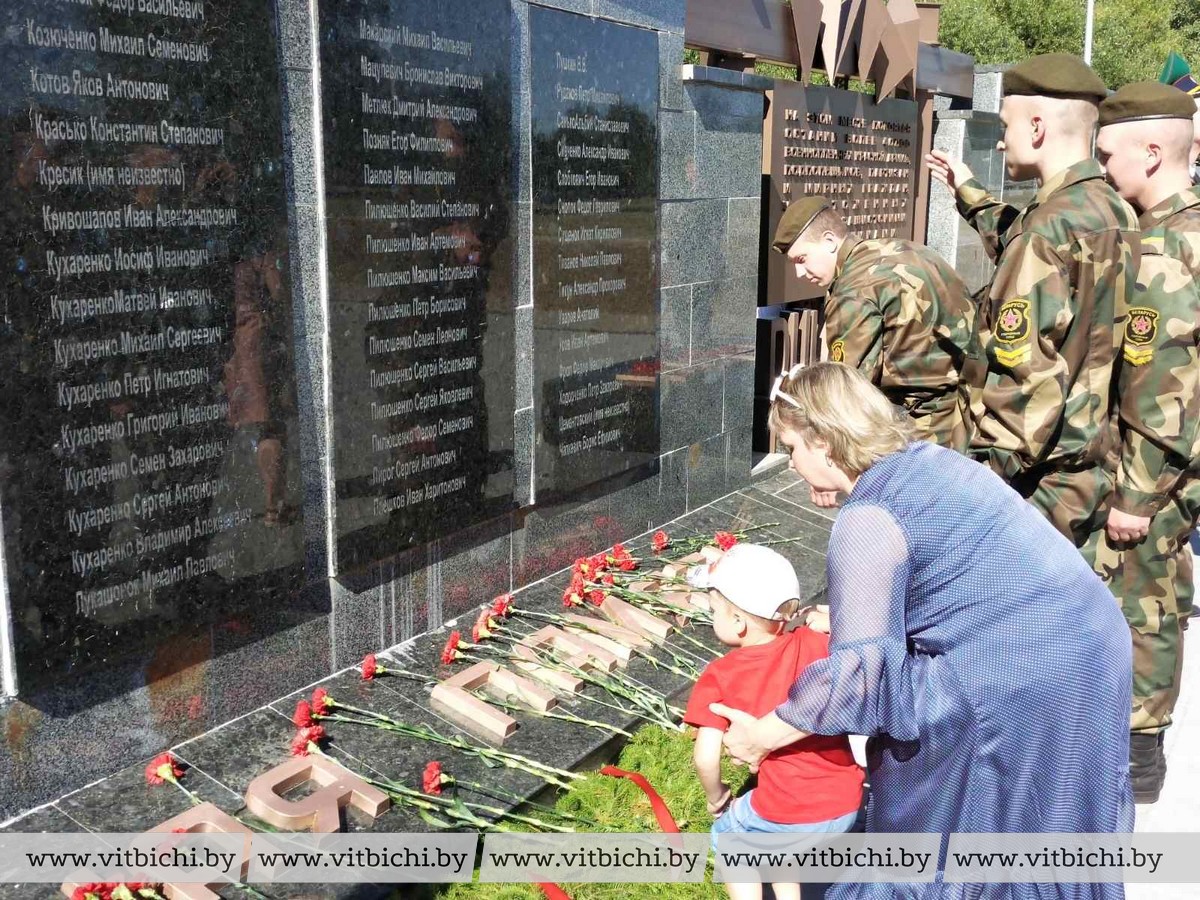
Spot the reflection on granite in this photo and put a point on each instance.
(150, 429)
(421, 223)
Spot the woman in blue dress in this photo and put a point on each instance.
(969, 639)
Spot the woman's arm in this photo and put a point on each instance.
(749, 740)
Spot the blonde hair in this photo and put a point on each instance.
(838, 406)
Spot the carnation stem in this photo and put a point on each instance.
(511, 760)
(549, 714)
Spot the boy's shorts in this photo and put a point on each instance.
(740, 818)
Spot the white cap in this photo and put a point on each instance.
(753, 578)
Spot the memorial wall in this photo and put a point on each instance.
(148, 423)
(595, 179)
(321, 320)
(418, 201)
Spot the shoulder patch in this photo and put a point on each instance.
(1140, 330)
(1012, 329)
(837, 351)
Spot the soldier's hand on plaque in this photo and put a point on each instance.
(950, 172)
(1124, 528)
(823, 499)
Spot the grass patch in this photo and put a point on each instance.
(665, 759)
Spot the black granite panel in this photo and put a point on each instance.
(420, 217)
(148, 426)
(595, 250)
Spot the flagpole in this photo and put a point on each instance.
(1087, 32)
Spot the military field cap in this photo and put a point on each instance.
(1146, 100)
(796, 218)
(1061, 75)
(1177, 73)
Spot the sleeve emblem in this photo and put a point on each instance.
(837, 351)
(1012, 330)
(1140, 330)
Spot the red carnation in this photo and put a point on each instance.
(502, 605)
(93, 891)
(163, 768)
(597, 597)
(431, 778)
(302, 717)
(369, 667)
(450, 651)
(661, 540)
(321, 702)
(583, 568)
(305, 736)
(599, 562)
(724, 539)
(608, 579)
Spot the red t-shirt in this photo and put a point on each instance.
(813, 780)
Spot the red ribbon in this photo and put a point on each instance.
(665, 820)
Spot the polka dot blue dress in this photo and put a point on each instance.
(988, 663)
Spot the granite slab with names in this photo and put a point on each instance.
(149, 440)
(595, 245)
(419, 212)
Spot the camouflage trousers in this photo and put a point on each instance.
(1074, 500)
(1152, 580)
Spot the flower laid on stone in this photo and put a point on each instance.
(482, 629)
(302, 717)
(725, 539)
(502, 605)
(450, 651)
(320, 701)
(369, 667)
(165, 769)
(334, 711)
(117, 890)
(308, 740)
(431, 778)
(621, 558)
(660, 541)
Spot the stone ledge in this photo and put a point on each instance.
(726, 78)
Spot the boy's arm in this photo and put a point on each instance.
(707, 758)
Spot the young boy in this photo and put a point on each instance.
(813, 785)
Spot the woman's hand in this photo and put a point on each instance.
(823, 499)
(817, 618)
(741, 739)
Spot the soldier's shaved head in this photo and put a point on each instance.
(1043, 135)
(1146, 159)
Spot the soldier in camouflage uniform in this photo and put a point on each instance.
(1144, 142)
(895, 310)
(1051, 321)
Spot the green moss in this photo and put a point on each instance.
(665, 759)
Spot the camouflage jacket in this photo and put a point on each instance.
(1159, 382)
(900, 314)
(1051, 321)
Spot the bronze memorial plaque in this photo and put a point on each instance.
(860, 154)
